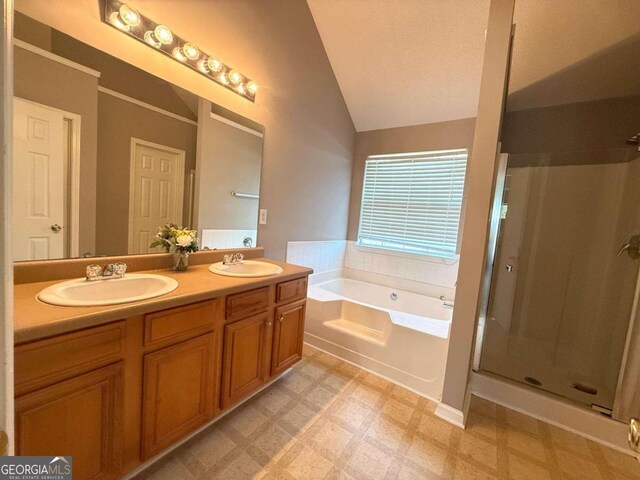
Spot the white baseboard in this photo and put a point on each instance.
(450, 414)
(555, 411)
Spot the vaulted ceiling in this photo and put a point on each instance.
(404, 62)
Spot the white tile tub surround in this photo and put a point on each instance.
(322, 256)
(441, 272)
(218, 238)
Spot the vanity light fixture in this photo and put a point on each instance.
(128, 20)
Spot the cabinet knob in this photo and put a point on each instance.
(281, 318)
(268, 323)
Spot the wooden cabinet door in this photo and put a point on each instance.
(177, 392)
(80, 417)
(243, 367)
(287, 336)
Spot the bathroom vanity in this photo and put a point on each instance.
(114, 386)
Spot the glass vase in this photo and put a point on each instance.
(180, 261)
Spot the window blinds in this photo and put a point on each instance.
(412, 202)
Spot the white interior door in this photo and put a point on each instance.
(157, 185)
(39, 182)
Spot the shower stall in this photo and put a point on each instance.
(562, 302)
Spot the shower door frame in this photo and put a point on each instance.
(502, 161)
(485, 294)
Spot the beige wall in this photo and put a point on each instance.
(418, 138)
(30, 72)
(229, 159)
(309, 134)
(480, 185)
(119, 121)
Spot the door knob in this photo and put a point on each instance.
(632, 247)
(56, 228)
(634, 434)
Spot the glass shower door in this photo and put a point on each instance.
(561, 297)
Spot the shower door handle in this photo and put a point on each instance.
(632, 247)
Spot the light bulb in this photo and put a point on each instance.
(190, 51)
(177, 54)
(235, 77)
(117, 22)
(252, 87)
(163, 34)
(129, 15)
(223, 78)
(150, 38)
(202, 66)
(240, 89)
(214, 64)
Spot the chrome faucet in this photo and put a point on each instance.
(232, 259)
(111, 270)
(247, 242)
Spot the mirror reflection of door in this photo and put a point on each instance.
(157, 183)
(42, 176)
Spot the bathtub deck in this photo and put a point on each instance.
(327, 419)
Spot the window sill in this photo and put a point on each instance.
(398, 253)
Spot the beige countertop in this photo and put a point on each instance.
(34, 319)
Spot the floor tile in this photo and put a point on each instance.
(309, 465)
(371, 461)
(427, 455)
(242, 468)
(247, 420)
(398, 410)
(479, 450)
(435, 428)
(274, 442)
(522, 469)
(386, 433)
(168, 469)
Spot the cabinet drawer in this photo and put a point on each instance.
(47, 361)
(242, 305)
(291, 290)
(179, 323)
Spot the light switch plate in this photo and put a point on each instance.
(263, 216)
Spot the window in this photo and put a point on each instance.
(411, 202)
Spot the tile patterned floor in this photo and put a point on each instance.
(327, 419)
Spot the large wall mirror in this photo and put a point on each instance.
(105, 154)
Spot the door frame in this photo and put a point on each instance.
(6, 260)
(72, 174)
(135, 142)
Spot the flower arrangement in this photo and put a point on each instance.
(175, 239)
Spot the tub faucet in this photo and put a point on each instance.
(111, 270)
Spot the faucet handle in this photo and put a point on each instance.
(120, 269)
(238, 257)
(93, 271)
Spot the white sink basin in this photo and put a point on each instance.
(133, 287)
(248, 268)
